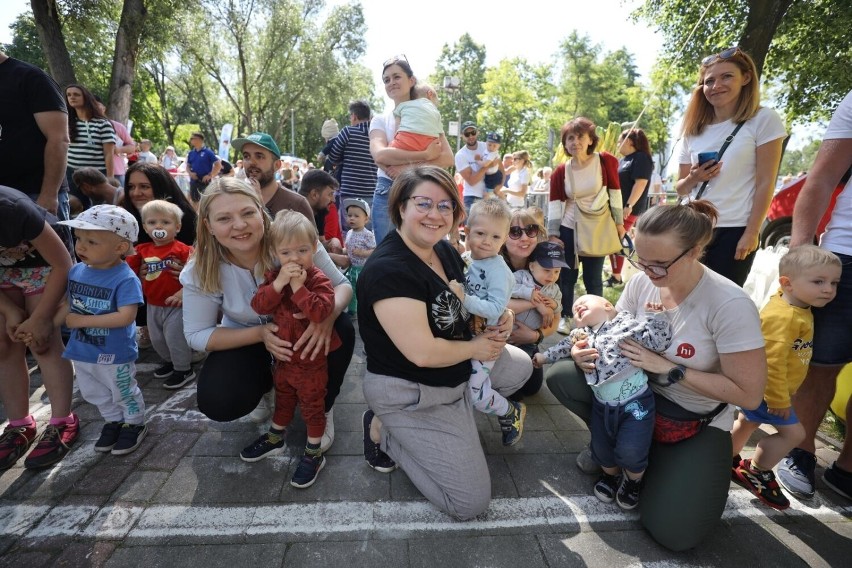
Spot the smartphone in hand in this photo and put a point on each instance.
(704, 157)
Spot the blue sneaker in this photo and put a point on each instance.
(796, 473)
(307, 471)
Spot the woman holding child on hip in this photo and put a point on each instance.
(419, 346)
(233, 252)
(725, 105)
(400, 86)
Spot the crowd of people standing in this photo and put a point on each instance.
(245, 273)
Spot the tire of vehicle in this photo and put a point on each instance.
(778, 234)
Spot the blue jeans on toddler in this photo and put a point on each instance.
(621, 433)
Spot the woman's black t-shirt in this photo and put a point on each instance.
(637, 165)
(21, 221)
(394, 271)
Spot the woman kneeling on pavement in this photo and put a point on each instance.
(716, 360)
(232, 254)
(419, 345)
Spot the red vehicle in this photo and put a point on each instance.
(778, 225)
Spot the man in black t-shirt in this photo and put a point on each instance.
(33, 134)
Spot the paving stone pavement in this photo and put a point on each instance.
(184, 498)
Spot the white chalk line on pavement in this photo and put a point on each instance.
(397, 519)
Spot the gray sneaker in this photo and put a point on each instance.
(586, 462)
(796, 473)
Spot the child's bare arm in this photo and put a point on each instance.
(124, 316)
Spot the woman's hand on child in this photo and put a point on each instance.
(175, 299)
(279, 348)
(547, 315)
(175, 267)
(644, 358)
(316, 339)
(584, 355)
(487, 346)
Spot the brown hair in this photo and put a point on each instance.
(403, 187)
(209, 253)
(579, 126)
(691, 224)
(699, 111)
(638, 138)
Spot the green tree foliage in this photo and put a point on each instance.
(799, 160)
(511, 105)
(804, 42)
(465, 60)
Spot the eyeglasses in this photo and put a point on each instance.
(425, 204)
(515, 232)
(395, 59)
(469, 133)
(725, 54)
(655, 269)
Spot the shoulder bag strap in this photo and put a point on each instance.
(724, 147)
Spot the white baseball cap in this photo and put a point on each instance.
(107, 218)
(357, 203)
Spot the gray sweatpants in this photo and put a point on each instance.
(431, 433)
(165, 328)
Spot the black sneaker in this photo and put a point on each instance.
(838, 480)
(262, 448)
(611, 282)
(513, 425)
(179, 378)
(606, 487)
(109, 437)
(628, 493)
(307, 471)
(373, 453)
(164, 371)
(762, 484)
(129, 438)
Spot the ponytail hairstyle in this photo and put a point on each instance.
(691, 224)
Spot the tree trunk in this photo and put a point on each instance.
(133, 14)
(764, 16)
(49, 29)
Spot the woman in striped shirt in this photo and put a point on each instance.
(92, 138)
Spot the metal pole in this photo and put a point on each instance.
(458, 135)
(292, 132)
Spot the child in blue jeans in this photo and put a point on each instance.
(622, 421)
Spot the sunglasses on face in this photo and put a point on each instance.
(655, 269)
(469, 133)
(725, 54)
(515, 232)
(395, 59)
(425, 204)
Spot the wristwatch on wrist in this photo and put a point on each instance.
(676, 374)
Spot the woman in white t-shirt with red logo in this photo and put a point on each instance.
(740, 183)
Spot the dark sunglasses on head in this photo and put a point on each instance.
(725, 54)
(395, 59)
(515, 232)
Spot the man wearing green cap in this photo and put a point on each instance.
(261, 159)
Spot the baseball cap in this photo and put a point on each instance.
(493, 137)
(549, 255)
(468, 124)
(329, 129)
(357, 203)
(107, 218)
(262, 139)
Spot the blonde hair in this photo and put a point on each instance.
(292, 226)
(537, 212)
(162, 207)
(699, 112)
(805, 257)
(423, 90)
(209, 252)
(496, 209)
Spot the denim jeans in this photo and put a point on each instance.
(380, 219)
(469, 200)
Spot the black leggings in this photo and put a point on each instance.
(533, 384)
(232, 381)
(719, 255)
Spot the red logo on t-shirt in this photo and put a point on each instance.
(685, 351)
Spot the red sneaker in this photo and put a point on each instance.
(14, 442)
(762, 484)
(55, 442)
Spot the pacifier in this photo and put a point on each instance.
(159, 234)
